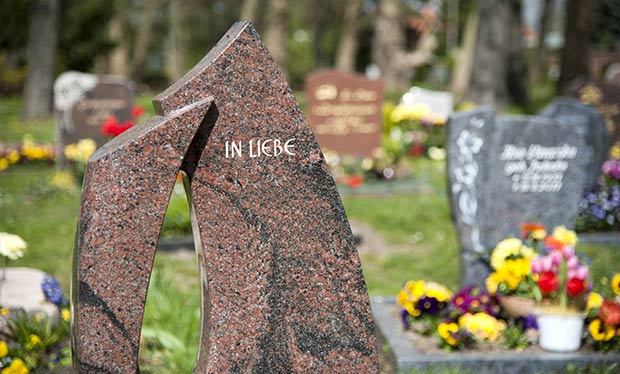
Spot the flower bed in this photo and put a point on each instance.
(544, 269)
(599, 210)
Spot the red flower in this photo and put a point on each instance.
(575, 287)
(354, 181)
(548, 282)
(610, 312)
(416, 150)
(137, 111)
(112, 127)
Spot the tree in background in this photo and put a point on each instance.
(177, 42)
(41, 57)
(389, 48)
(498, 75)
(249, 11)
(576, 43)
(83, 33)
(118, 60)
(276, 30)
(347, 46)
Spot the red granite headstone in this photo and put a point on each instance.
(282, 285)
(344, 111)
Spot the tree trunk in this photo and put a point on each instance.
(42, 39)
(275, 31)
(388, 43)
(389, 47)
(575, 52)
(498, 76)
(118, 60)
(347, 48)
(539, 69)
(320, 12)
(249, 11)
(463, 68)
(176, 55)
(143, 38)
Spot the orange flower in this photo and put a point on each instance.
(529, 227)
(553, 243)
(610, 312)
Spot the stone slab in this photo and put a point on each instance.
(507, 170)
(409, 359)
(21, 289)
(126, 189)
(345, 112)
(282, 286)
(82, 102)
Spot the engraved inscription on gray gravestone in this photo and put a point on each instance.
(509, 170)
(589, 123)
(83, 101)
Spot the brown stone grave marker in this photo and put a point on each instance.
(344, 111)
(83, 101)
(281, 281)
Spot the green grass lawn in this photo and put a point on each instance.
(416, 226)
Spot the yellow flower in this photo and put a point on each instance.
(615, 284)
(65, 315)
(80, 151)
(412, 310)
(4, 163)
(597, 334)
(595, 300)
(11, 246)
(482, 326)
(565, 236)
(614, 151)
(467, 105)
(403, 112)
(437, 291)
(13, 156)
(63, 180)
(504, 249)
(415, 288)
(4, 349)
(492, 283)
(17, 367)
(513, 272)
(4, 312)
(539, 234)
(446, 329)
(34, 341)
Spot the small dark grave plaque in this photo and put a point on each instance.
(83, 101)
(344, 111)
(504, 171)
(605, 97)
(282, 286)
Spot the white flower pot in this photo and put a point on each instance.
(560, 332)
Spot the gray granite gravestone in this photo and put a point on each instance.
(83, 101)
(589, 123)
(504, 171)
